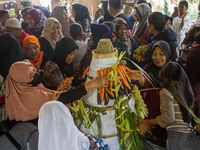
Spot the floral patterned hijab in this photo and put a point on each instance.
(39, 19)
(126, 40)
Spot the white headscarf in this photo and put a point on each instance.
(57, 130)
(46, 32)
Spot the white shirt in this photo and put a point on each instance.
(80, 53)
(177, 28)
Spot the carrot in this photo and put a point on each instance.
(102, 89)
(66, 80)
(108, 70)
(126, 68)
(59, 89)
(109, 92)
(124, 71)
(104, 72)
(98, 74)
(70, 79)
(120, 83)
(111, 83)
(123, 77)
(85, 73)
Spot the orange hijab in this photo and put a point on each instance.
(32, 39)
(23, 101)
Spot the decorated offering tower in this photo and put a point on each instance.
(111, 113)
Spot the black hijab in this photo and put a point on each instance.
(81, 12)
(100, 31)
(10, 52)
(107, 16)
(63, 48)
(175, 80)
(151, 68)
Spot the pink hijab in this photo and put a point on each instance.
(23, 101)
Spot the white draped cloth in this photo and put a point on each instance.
(57, 130)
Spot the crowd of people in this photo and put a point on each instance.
(38, 53)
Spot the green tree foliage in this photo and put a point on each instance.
(165, 9)
(193, 1)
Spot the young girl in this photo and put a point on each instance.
(51, 33)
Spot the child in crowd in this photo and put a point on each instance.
(79, 37)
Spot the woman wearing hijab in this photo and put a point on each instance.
(176, 90)
(61, 14)
(81, 15)
(51, 33)
(60, 65)
(35, 20)
(99, 31)
(25, 94)
(140, 31)
(10, 53)
(31, 48)
(157, 28)
(56, 119)
(122, 35)
(106, 16)
(160, 56)
(193, 63)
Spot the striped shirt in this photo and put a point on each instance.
(171, 115)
